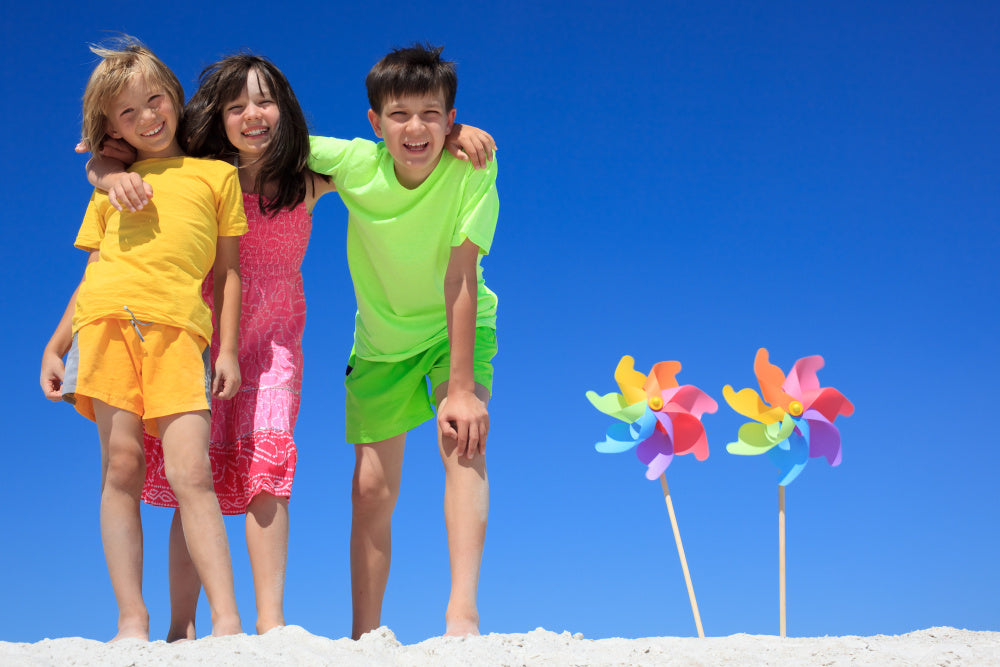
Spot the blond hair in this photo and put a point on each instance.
(126, 58)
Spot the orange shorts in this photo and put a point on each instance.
(164, 372)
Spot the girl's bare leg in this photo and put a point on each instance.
(186, 463)
(466, 507)
(185, 586)
(374, 492)
(123, 469)
(267, 544)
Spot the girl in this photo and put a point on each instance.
(246, 113)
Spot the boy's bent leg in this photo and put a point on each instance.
(187, 466)
(466, 508)
(185, 586)
(374, 491)
(123, 468)
(267, 544)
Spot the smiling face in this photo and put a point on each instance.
(251, 119)
(414, 128)
(145, 117)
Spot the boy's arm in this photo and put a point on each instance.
(53, 368)
(462, 415)
(228, 295)
(470, 144)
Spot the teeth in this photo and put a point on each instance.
(153, 131)
(256, 133)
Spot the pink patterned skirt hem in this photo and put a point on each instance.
(259, 462)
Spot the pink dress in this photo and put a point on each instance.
(252, 449)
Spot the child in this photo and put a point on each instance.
(137, 329)
(245, 112)
(419, 221)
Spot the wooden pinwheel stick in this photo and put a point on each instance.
(781, 559)
(680, 552)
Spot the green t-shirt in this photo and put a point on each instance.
(399, 242)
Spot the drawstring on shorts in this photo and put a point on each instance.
(135, 323)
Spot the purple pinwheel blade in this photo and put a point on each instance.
(824, 438)
(657, 452)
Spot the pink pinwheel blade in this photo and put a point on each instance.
(802, 377)
(692, 400)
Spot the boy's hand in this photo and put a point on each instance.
(226, 376)
(470, 144)
(129, 191)
(52, 375)
(463, 416)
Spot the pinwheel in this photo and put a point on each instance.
(660, 419)
(796, 426)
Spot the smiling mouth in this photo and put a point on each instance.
(256, 132)
(155, 131)
(417, 148)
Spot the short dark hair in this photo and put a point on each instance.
(284, 162)
(415, 70)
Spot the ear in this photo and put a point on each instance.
(376, 122)
(110, 130)
(451, 119)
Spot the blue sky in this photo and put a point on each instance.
(678, 180)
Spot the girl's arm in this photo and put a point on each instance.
(470, 144)
(106, 170)
(462, 415)
(53, 368)
(228, 294)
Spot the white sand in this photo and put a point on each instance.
(294, 646)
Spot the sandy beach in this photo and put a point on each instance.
(293, 645)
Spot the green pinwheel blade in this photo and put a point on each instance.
(614, 405)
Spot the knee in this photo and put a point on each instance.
(188, 475)
(126, 468)
(373, 494)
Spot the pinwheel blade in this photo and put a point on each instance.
(747, 402)
(623, 437)
(824, 438)
(791, 458)
(615, 405)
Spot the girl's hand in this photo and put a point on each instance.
(470, 144)
(129, 191)
(226, 376)
(52, 375)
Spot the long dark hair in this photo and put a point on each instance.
(284, 160)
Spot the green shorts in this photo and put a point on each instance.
(386, 398)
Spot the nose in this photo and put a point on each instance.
(414, 123)
(252, 111)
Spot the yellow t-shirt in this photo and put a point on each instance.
(154, 261)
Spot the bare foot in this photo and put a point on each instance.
(226, 626)
(132, 629)
(462, 626)
(265, 625)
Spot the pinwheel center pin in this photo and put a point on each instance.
(795, 408)
(656, 402)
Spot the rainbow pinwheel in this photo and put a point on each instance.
(659, 417)
(798, 423)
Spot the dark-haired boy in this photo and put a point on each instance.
(419, 222)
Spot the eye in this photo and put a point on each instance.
(235, 108)
(125, 112)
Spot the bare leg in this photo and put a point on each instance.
(123, 468)
(267, 544)
(185, 456)
(466, 507)
(377, 471)
(185, 586)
